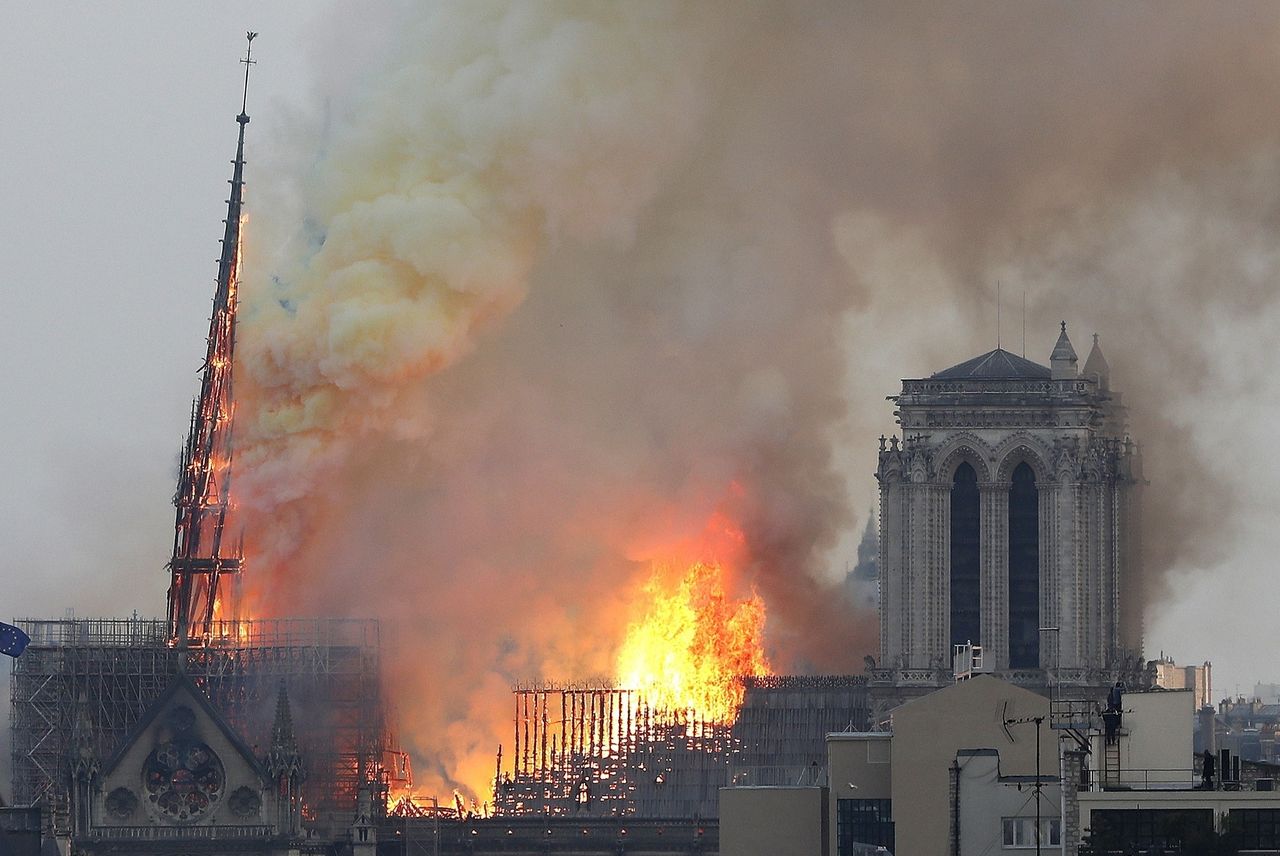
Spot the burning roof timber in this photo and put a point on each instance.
(601, 751)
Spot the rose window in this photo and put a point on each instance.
(183, 777)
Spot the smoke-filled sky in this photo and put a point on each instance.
(537, 294)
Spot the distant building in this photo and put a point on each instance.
(1267, 693)
(862, 582)
(1170, 676)
(1248, 728)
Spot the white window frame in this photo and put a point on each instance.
(1019, 833)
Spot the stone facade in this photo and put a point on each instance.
(185, 782)
(1007, 509)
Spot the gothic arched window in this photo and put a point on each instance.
(966, 571)
(1024, 570)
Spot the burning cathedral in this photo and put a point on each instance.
(1008, 544)
(1009, 527)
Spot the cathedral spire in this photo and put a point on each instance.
(203, 497)
(1063, 359)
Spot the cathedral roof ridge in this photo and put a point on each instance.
(998, 363)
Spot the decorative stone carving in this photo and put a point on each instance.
(121, 803)
(244, 802)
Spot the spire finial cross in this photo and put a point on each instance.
(1064, 326)
(248, 61)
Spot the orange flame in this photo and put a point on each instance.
(687, 653)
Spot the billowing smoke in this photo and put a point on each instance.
(543, 288)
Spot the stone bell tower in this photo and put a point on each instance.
(1008, 521)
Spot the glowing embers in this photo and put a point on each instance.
(404, 802)
(686, 655)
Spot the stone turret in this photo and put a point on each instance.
(85, 768)
(364, 832)
(1062, 362)
(284, 766)
(1096, 366)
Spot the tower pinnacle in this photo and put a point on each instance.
(1096, 365)
(1063, 359)
(248, 61)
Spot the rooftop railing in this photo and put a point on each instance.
(164, 833)
(255, 632)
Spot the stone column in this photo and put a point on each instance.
(1072, 764)
(994, 498)
(939, 570)
(889, 562)
(1060, 592)
(1062, 598)
(1088, 567)
(1050, 579)
(925, 607)
(915, 578)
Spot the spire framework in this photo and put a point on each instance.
(201, 555)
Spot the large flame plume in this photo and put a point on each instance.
(566, 269)
(694, 643)
(460, 417)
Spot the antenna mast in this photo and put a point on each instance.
(203, 496)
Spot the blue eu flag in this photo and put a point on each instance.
(13, 640)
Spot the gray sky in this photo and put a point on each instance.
(120, 130)
(119, 125)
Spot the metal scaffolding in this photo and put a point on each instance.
(600, 750)
(111, 670)
(783, 725)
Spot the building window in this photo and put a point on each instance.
(1021, 832)
(1118, 828)
(863, 822)
(966, 571)
(1259, 828)
(1024, 570)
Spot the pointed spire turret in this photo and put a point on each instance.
(283, 756)
(1096, 365)
(364, 832)
(1063, 360)
(204, 483)
(284, 766)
